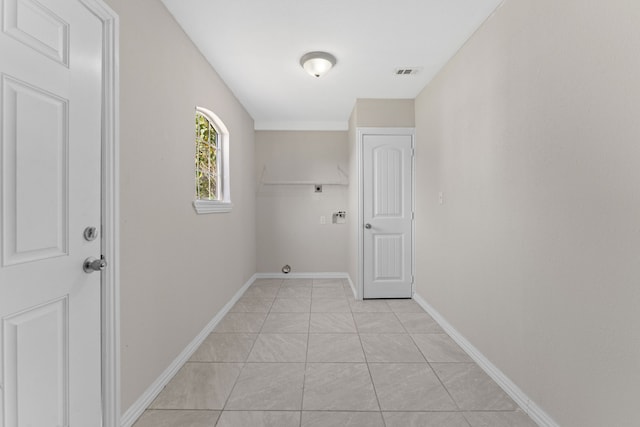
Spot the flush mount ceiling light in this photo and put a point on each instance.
(317, 63)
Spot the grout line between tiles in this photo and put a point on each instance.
(437, 376)
(366, 361)
(244, 364)
(306, 357)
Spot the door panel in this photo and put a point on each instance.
(31, 153)
(50, 191)
(33, 379)
(38, 27)
(387, 181)
(388, 185)
(388, 255)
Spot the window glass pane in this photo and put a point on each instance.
(213, 173)
(206, 159)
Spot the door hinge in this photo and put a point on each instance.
(413, 152)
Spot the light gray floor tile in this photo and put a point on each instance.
(330, 305)
(241, 322)
(398, 348)
(298, 282)
(332, 323)
(291, 305)
(199, 386)
(322, 292)
(224, 348)
(424, 419)
(173, 418)
(471, 388)
(268, 386)
(420, 323)
(440, 348)
(348, 291)
(271, 282)
(341, 419)
(339, 386)
(262, 291)
(286, 323)
(259, 419)
(278, 325)
(377, 323)
(279, 348)
(499, 419)
(252, 305)
(404, 306)
(409, 387)
(334, 348)
(294, 292)
(297, 286)
(369, 306)
(327, 283)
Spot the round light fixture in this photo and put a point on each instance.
(317, 63)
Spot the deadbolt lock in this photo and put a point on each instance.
(90, 234)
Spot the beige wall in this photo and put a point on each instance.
(385, 113)
(177, 268)
(532, 134)
(288, 216)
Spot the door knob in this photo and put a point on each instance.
(367, 226)
(92, 264)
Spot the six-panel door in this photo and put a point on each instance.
(50, 191)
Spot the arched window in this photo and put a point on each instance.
(211, 164)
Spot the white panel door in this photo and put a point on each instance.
(387, 215)
(50, 191)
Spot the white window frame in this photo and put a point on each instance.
(224, 204)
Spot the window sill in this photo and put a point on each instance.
(211, 206)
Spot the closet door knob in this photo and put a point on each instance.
(91, 264)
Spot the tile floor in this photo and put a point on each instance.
(305, 353)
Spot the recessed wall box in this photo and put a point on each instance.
(340, 217)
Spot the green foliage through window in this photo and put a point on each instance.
(207, 167)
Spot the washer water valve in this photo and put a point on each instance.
(340, 217)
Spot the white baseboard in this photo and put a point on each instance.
(353, 287)
(139, 406)
(302, 276)
(536, 413)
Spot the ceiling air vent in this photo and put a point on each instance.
(407, 71)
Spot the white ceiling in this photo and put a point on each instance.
(256, 45)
